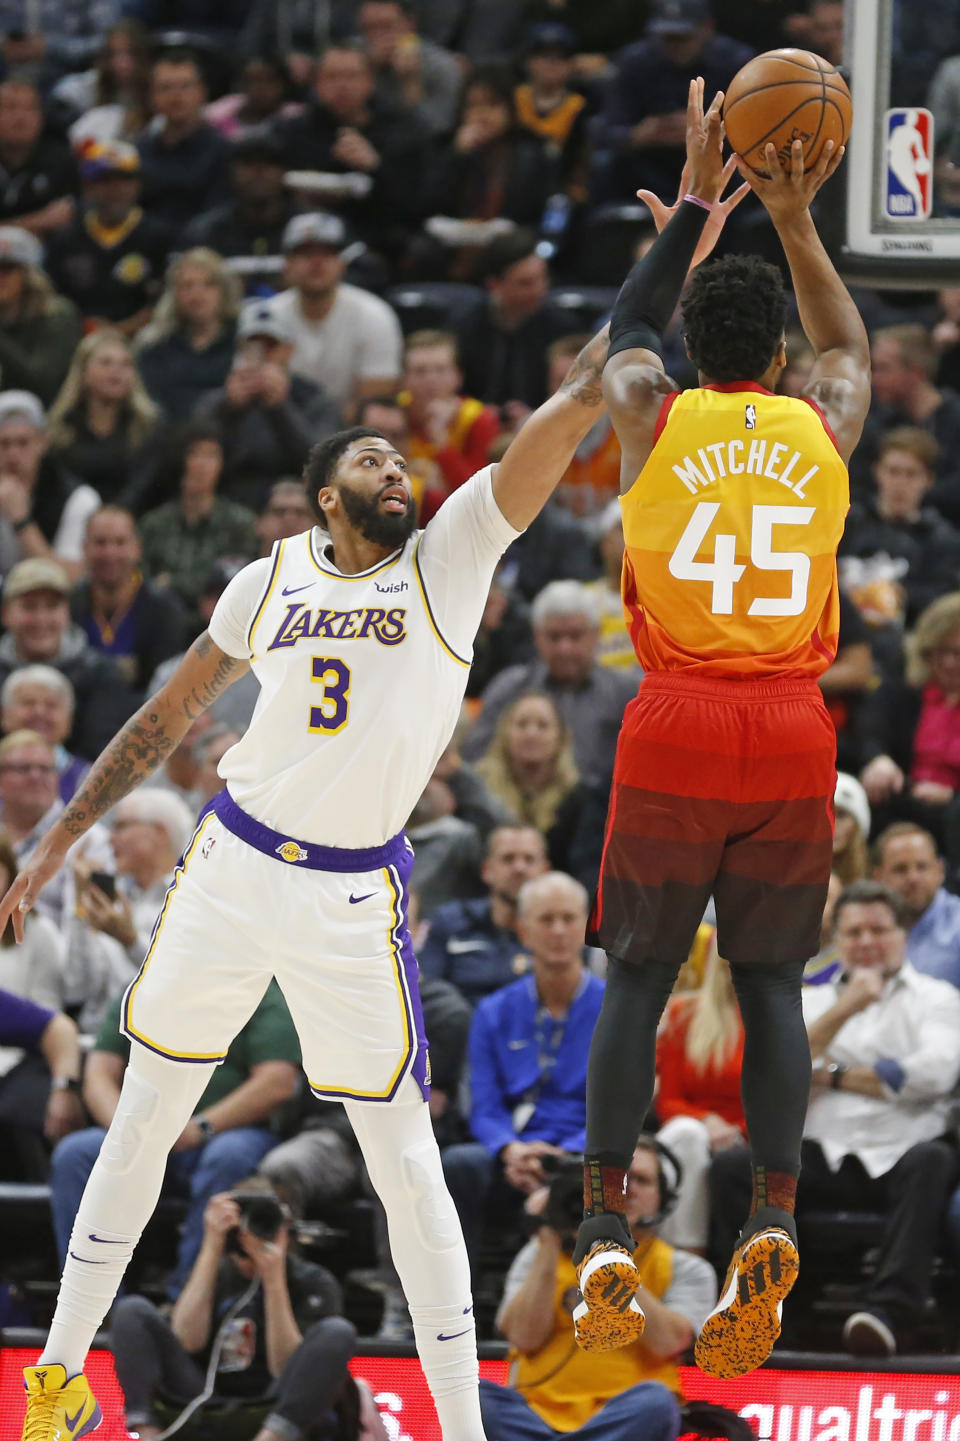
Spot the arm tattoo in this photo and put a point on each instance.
(136, 750)
(582, 381)
(201, 697)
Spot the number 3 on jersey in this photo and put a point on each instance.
(330, 716)
(724, 570)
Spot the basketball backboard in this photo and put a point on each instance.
(902, 176)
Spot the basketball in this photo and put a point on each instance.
(782, 96)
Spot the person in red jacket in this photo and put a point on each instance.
(453, 430)
(699, 1055)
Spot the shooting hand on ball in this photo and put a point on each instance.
(787, 191)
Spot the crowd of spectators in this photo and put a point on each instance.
(225, 231)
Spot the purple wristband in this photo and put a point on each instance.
(695, 200)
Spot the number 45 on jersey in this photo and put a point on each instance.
(724, 571)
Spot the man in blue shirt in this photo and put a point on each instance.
(528, 1051)
(906, 860)
(473, 944)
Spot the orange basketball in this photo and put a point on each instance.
(782, 96)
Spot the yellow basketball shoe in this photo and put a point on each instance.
(608, 1315)
(58, 1409)
(739, 1333)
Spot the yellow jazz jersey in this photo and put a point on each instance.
(731, 534)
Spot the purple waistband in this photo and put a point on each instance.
(301, 853)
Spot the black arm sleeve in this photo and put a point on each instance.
(649, 295)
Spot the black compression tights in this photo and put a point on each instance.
(775, 1081)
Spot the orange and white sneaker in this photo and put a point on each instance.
(58, 1409)
(608, 1314)
(739, 1333)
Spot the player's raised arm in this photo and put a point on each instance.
(840, 379)
(138, 749)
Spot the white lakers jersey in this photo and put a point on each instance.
(361, 676)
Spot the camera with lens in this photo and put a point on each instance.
(564, 1208)
(261, 1213)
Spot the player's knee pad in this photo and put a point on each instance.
(424, 1196)
(130, 1130)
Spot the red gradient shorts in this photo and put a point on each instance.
(725, 788)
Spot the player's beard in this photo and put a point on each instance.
(379, 527)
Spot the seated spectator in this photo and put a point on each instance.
(851, 829)
(36, 614)
(946, 333)
(247, 230)
(39, 330)
(180, 770)
(554, 546)
(699, 1057)
(641, 139)
(39, 698)
(546, 105)
(40, 177)
(530, 768)
(589, 697)
(495, 167)
(41, 1030)
(474, 943)
(616, 648)
(555, 1388)
(504, 342)
(345, 340)
(109, 933)
(225, 1140)
(185, 537)
(825, 965)
(29, 805)
(208, 752)
(103, 424)
(896, 524)
(188, 346)
(345, 130)
(268, 418)
(43, 509)
(903, 361)
(265, 94)
(286, 513)
(121, 613)
(452, 430)
(909, 735)
(504, 637)
(32, 972)
(299, 30)
(886, 1049)
(110, 101)
(183, 160)
(448, 851)
(111, 258)
(413, 74)
(848, 684)
(905, 860)
(296, 1364)
(528, 1052)
(592, 478)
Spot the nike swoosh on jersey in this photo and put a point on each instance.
(355, 900)
(295, 589)
(460, 948)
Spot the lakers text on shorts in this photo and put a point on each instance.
(722, 787)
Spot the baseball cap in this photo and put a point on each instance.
(19, 247)
(317, 227)
(259, 318)
(850, 796)
(35, 574)
(109, 157)
(677, 17)
(550, 35)
(22, 405)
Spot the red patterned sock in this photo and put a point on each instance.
(773, 1188)
(604, 1187)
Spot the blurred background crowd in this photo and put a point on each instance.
(225, 231)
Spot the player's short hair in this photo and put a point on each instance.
(915, 344)
(321, 466)
(893, 832)
(870, 893)
(734, 311)
(157, 807)
(45, 675)
(912, 440)
(430, 339)
(564, 597)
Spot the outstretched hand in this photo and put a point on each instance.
(22, 894)
(704, 164)
(787, 191)
(663, 214)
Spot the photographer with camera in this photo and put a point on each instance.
(255, 1325)
(557, 1388)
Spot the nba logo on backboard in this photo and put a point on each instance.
(908, 192)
